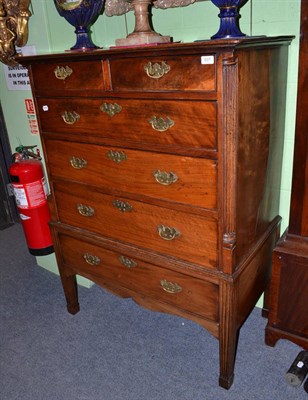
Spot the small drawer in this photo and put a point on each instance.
(156, 228)
(155, 122)
(152, 281)
(68, 77)
(181, 73)
(179, 179)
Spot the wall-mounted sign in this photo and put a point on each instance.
(17, 76)
(33, 125)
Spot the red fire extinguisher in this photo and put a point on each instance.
(30, 190)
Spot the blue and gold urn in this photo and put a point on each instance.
(229, 18)
(81, 14)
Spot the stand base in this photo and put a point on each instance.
(136, 39)
(83, 41)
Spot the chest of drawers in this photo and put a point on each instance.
(164, 166)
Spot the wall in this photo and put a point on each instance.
(49, 32)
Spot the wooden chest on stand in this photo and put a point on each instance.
(164, 164)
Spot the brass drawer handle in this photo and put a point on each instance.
(116, 156)
(62, 72)
(111, 109)
(165, 178)
(157, 70)
(167, 232)
(127, 262)
(122, 206)
(160, 124)
(91, 259)
(85, 211)
(70, 117)
(170, 287)
(78, 163)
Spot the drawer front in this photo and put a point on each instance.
(68, 77)
(160, 229)
(154, 282)
(181, 179)
(156, 122)
(185, 73)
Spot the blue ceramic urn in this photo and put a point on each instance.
(81, 14)
(229, 18)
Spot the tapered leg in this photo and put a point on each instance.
(68, 278)
(227, 352)
(69, 284)
(228, 334)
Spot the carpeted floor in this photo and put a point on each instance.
(115, 350)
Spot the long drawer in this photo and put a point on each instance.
(148, 121)
(184, 180)
(185, 73)
(179, 290)
(156, 228)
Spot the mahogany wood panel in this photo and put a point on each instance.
(152, 304)
(78, 77)
(289, 294)
(226, 100)
(255, 279)
(292, 315)
(288, 316)
(135, 173)
(188, 121)
(139, 225)
(142, 277)
(299, 196)
(184, 73)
